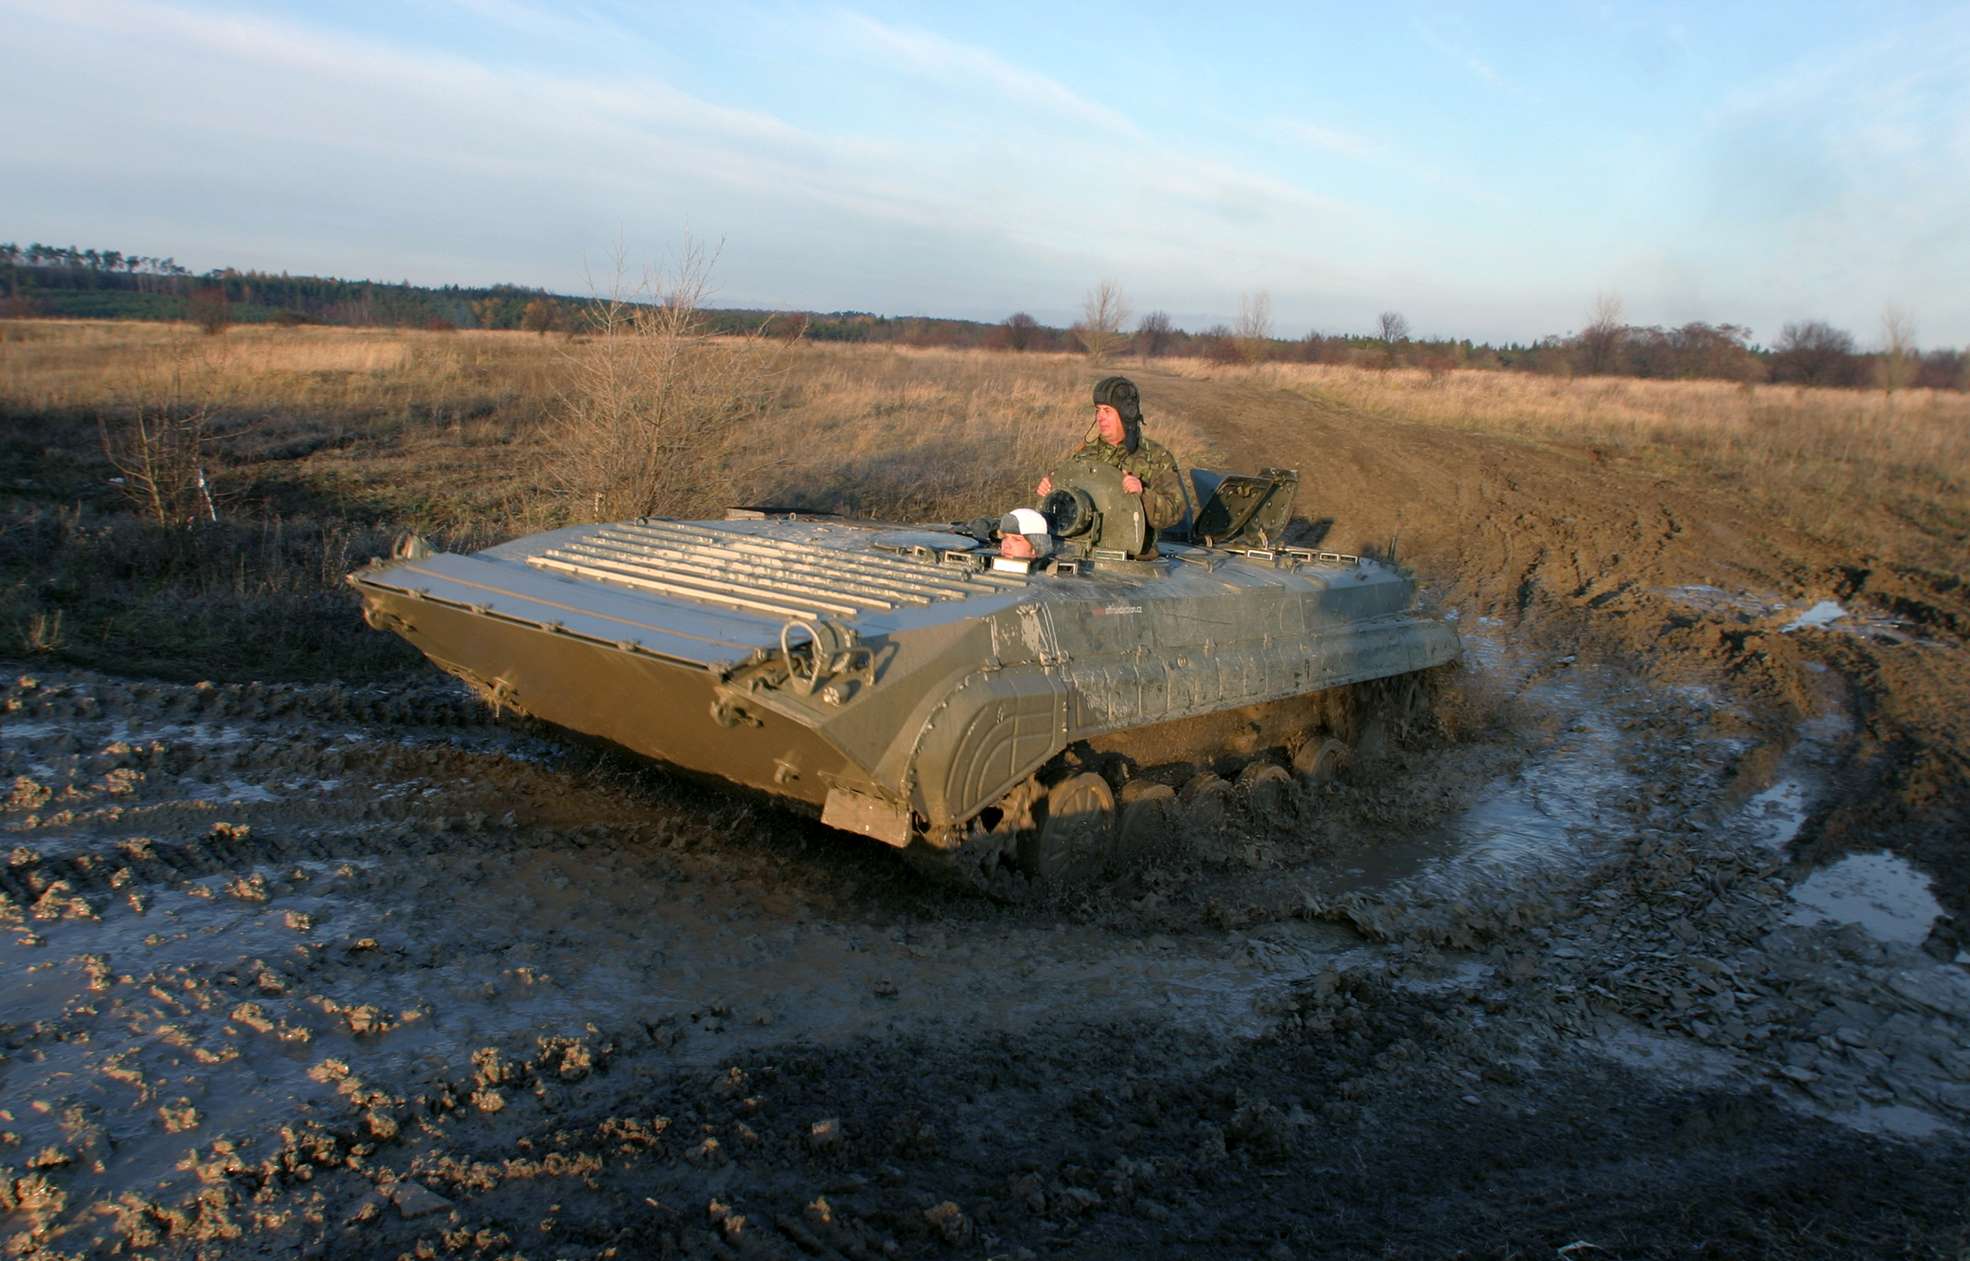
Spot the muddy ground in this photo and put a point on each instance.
(1648, 945)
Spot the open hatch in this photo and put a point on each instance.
(1243, 509)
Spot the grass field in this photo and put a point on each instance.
(328, 442)
(1809, 455)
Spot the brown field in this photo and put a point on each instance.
(1575, 503)
(306, 954)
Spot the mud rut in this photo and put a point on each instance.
(322, 968)
(350, 972)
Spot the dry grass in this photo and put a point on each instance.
(890, 431)
(54, 365)
(331, 440)
(1811, 453)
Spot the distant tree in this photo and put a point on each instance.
(1153, 335)
(1103, 313)
(1219, 344)
(541, 315)
(1600, 341)
(1254, 331)
(208, 309)
(1815, 353)
(1899, 357)
(1392, 330)
(1020, 329)
(1943, 370)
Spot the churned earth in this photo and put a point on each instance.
(1646, 943)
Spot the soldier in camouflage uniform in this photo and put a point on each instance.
(1148, 468)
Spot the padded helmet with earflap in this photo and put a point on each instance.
(1120, 393)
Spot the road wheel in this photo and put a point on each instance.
(1073, 844)
(1147, 825)
(1205, 799)
(1269, 789)
(1322, 761)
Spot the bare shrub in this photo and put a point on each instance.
(41, 633)
(1103, 313)
(160, 456)
(651, 414)
(1899, 356)
(1254, 330)
(209, 310)
(1154, 334)
(1600, 342)
(1392, 330)
(162, 445)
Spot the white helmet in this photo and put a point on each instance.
(1031, 523)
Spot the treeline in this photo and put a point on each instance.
(64, 281)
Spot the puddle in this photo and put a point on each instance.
(1825, 613)
(1711, 599)
(1692, 1063)
(236, 792)
(205, 734)
(1881, 892)
(1775, 815)
(1895, 1120)
(1553, 808)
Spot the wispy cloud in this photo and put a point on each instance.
(576, 25)
(1326, 139)
(1459, 48)
(934, 57)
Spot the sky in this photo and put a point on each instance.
(1486, 170)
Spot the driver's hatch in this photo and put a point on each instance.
(1243, 509)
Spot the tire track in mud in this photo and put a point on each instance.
(310, 1009)
(1580, 554)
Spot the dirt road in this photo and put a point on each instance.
(1648, 951)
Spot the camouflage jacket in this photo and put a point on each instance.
(1163, 501)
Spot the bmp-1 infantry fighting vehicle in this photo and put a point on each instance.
(915, 686)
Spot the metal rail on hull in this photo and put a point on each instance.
(739, 570)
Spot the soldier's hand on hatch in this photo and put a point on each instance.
(1045, 487)
(1130, 483)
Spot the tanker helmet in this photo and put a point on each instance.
(1120, 393)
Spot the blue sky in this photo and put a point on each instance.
(1485, 170)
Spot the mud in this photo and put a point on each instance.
(329, 970)
(1646, 942)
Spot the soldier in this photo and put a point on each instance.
(1148, 468)
(1024, 535)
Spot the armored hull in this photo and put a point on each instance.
(907, 683)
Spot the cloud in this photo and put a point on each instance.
(580, 26)
(1836, 183)
(939, 59)
(1329, 139)
(1460, 50)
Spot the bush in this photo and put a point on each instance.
(654, 402)
(208, 310)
